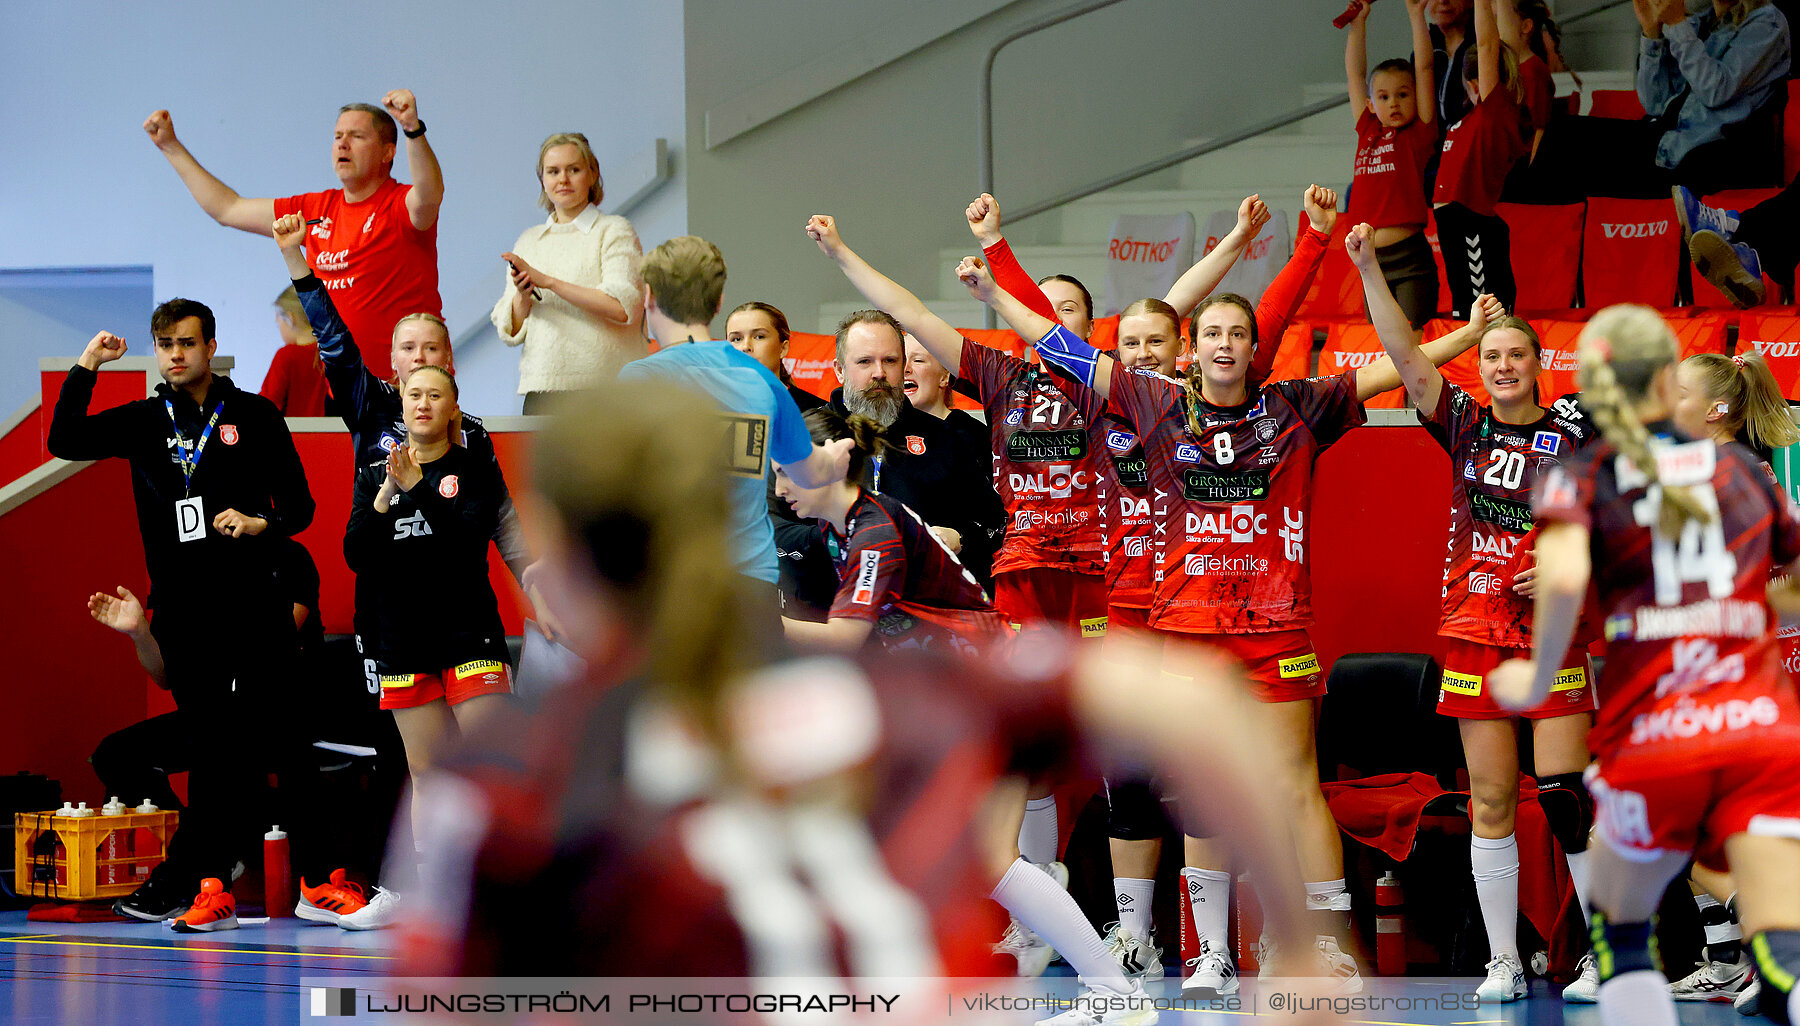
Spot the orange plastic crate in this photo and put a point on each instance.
(88, 856)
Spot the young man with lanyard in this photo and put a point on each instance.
(218, 487)
(374, 240)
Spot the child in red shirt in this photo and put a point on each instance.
(1395, 107)
(1479, 152)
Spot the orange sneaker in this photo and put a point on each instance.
(214, 909)
(329, 902)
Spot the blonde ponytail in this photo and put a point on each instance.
(1621, 351)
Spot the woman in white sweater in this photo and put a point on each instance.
(575, 297)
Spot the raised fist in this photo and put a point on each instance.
(822, 229)
(160, 128)
(1321, 206)
(102, 349)
(984, 219)
(1360, 245)
(405, 109)
(289, 231)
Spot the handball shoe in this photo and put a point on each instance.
(1212, 975)
(1140, 959)
(1713, 981)
(214, 909)
(1505, 981)
(1100, 1005)
(380, 913)
(1585, 990)
(331, 901)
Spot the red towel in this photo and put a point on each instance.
(1383, 813)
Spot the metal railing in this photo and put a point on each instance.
(985, 96)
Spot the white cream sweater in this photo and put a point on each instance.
(565, 347)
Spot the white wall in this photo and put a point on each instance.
(893, 154)
(254, 90)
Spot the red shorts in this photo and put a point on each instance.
(1463, 693)
(1128, 620)
(1282, 665)
(477, 677)
(1047, 595)
(1650, 807)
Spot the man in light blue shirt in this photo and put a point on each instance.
(685, 280)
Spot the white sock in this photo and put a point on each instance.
(1047, 910)
(1209, 902)
(1133, 897)
(1038, 834)
(1578, 874)
(1794, 1005)
(1495, 866)
(1331, 903)
(1638, 998)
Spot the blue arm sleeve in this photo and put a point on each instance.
(789, 440)
(1069, 354)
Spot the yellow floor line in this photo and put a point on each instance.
(182, 947)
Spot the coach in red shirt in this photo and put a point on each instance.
(374, 241)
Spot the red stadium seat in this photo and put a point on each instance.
(1294, 358)
(1351, 346)
(1546, 252)
(1461, 371)
(1777, 337)
(1616, 103)
(1740, 200)
(1629, 252)
(1437, 257)
(1702, 333)
(1558, 357)
(1337, 289)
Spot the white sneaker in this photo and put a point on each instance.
(1339, 966)
(1140, 959)
(1032, 952)
(380, 913)
(1585, 990)
(1713, 981)
(1750, 1001)
(1505, 981)
(1098, 1004)
(1212, 975)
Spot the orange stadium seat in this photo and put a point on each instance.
(1336, 291)
(1629, 252)
(1777, 337)
(1546, 252)
(1437, 258)
(1350, 346)
(1294, 358)
(810, 358)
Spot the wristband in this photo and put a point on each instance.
(415, 133)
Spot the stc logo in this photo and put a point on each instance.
(1293, 534)
(1649, 229)
(1778, 350)
(1346, 361)
(1057, 481)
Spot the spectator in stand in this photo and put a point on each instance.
(296, 382)
(1534, 39)
(574, 295)
(1452, 34)
(1710, 84)
(1480, 150)
(761, 332)
(808, 579)
(1733, 250)
(373, 241)
(1396, 141)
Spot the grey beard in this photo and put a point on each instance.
(883, 409)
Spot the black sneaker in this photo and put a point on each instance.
(155, 901)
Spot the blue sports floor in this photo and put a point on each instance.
(126, 974)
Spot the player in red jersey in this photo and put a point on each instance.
(1697, 743)
(1149, 336)
(1051, 466)
(1235, 461)
(769, 858)
(1496, 453)
(1731, 398)
(897, 579)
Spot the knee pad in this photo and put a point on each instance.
(1133, 811)
(1569, 808)
(1777, 954)
(1621, 948)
